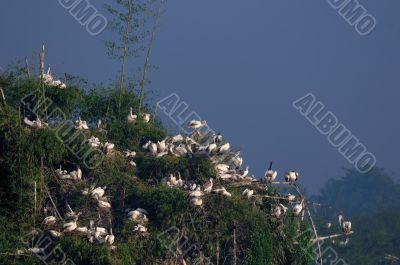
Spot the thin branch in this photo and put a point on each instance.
(52, 202)
(323, 238)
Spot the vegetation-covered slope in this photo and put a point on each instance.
(223, 230)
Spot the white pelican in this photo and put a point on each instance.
(108, 147)
(55, 233)
(224, 148)
(196, 201)
(103, 204)
(194, 124)
(110, 238)
(140, 228)
(217, 138)
(245, 172)
(138, 215)
(129, 154)
(76, 174)
(345, 225)
(36, 250)
(248, 193)
(153, 149)
(131, 117)
(237, 161)
(81, 125)
(222, 191)
(82, 230)
(94, 142)
(289, 197)
(270, 175)
(101, 231)
(298, 209)
(208, 186)
(146, 117)
(71, 226)
(177, 138)
(280, 210)
(193, 187)
(291, 176)
(49, 220)
(161, 146)
(98, 192)
(196, 193)
(222, 168)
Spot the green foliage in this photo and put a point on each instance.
(28, 159)
(371, 202)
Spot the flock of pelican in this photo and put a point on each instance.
(228, 166)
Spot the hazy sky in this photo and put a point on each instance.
(241, 64)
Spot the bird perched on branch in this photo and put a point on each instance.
(194, 124)
(270, 175)
(345, 225)
(291, 176)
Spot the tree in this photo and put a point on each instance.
(130, 20)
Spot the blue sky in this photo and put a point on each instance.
(240, 65)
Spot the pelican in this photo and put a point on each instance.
(36, 250)
(146, 117)
(328, 225)
(345, 225)
(55, 233)
(180, 150)
(280, 210)
(248, 193)
(237, 161)
(224, 148)
(193, 187)
(245, 173)
(153, 149)
(110, 238)
(71, 226)
(291, 176)
(101, 231)
(77, 174)
(140, 228)
(289, 197)
(81, 125)
(49, 220)
(131, 118)
(222, 191)
(196, 193)
(103, 204)
(98, 192)
(146, 145)
(194, 124)
(161, 146)
(94, 142)
(196, 201)
(297, 209)
(217, 138)
(208, 186)
(82, 230)
(177, 138)
(270, 175)
(222, 168)
(129, 154)
(108, 147)
(138, 215)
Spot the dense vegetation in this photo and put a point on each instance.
(372, 201)
(221, 230)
